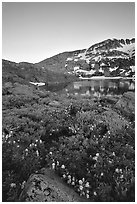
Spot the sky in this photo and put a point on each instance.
(34, 31)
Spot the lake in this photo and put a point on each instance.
(99, 87)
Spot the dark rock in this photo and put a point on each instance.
(127, 103)
(48, 187)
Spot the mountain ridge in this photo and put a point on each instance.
(109, 58)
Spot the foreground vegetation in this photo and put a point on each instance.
(87, 141)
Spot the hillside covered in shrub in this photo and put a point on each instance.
(88, 142)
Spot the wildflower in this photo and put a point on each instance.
(73, 183)
(73, 178)
(57, 163)
(36, 141)
(13, 185)
(64, 176)
(69, 177)
(81, 188)
(97, 154)
(40, 141)
(113, 154)
(53, 166)
(95, 193)
(95, 158)
(87, 185)
(69, 181)
(37, 152)
(50, 153)
(102, 174)
(95, 165)
(83, 193)
(63, 166)
(122, 176)
(80, 182)
(87, 196)
(87, 191)
(117, 170)
(23, 184)
(83, 179)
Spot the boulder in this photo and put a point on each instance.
(126, 103)
(46, 186)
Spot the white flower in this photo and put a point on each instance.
(87, 191)
(57, 163)
(64, 176)
(69, 176)
(23, 184)
(63, 166)
(13, 185)
(121, 176)
(108, 132)
(95, 193)
(40, 141)
(81, 188)
(50, 153)
(102, 174)
(80, 182)
(83, 179)
(73, 178)
(97, 154)
(73, 183)
(69, 181)
(87, 185)
(117, 170)
(95, 158)
(53, 165)
(113, 154)
(37, 152)
(87, 195)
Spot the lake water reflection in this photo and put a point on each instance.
(101, 87)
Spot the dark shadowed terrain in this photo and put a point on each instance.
(65, 138)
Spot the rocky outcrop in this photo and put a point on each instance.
(127, 104)
(47, 187)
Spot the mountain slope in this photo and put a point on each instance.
(27, 72)
(111, 57)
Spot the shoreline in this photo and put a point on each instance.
(102, 77)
